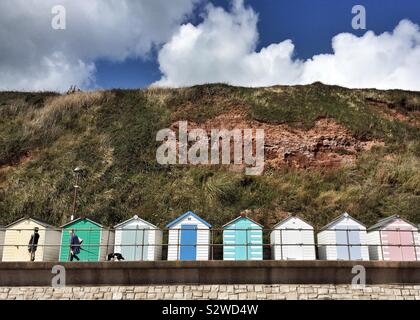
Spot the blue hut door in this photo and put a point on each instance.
(349, 245)
(355, 248)
(188, 242)
(342, 245)
(241, 240)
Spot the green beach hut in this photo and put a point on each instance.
(98, 241)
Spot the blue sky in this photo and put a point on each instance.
(310, 24)
(176, 43)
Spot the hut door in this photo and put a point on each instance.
(342, 245)
(349, 244)
(392, 238)
(355, 248)
(134, 243)
(242, 239)
(405, 252)
(293, 250)
(142, 239)
(408, 248)
(188, 242)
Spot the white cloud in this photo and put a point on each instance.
(223, 49)
(33, 56)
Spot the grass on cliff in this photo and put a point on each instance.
(111, 134)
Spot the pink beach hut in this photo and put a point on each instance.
(394, 239)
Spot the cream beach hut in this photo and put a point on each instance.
(293, 239)
(394, 239)
(344, 238)
(137, 239)
(18, 235)
(189, 238)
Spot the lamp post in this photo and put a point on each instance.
(77, 171)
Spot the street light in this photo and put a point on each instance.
(77, 171)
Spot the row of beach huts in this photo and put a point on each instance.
(189, 238)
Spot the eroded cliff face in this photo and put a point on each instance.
(326, 145)
(317, 158)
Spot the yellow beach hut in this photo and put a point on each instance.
(18, 236)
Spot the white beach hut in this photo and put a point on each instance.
(394, 239)
(344, 238)
(189, 238)
(18, 235)
(137, 239)
(293, 239)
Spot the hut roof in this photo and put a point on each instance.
(37, 221)
(385, 221)
(288, 218)
(242, 217)
(340, 217)
(186, 214)
(134, 218)
(78, 219)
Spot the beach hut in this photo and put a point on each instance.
(98, 241)
(344, 238)
(137, 239)
(19, 233)
(394, 239)
(189, 238)
(242, 239)
(2, 233)
(293, 239)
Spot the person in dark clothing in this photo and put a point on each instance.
(75, 244)
(33, 243)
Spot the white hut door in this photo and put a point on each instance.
(292, 240)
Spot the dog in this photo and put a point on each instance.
(115, 257)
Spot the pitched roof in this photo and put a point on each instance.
(344, 215)
(136, 218)
(290, 217)
(75, 220)
(385, 221)
(37, 221)
(186, 214)
(241, 217)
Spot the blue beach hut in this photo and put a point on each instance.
(242, 239)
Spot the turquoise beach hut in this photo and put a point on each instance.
(98, 241)
(242, 240)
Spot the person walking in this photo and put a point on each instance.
(33, 243)
(75, 244)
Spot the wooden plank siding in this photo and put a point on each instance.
(203, 238)
(286, 238)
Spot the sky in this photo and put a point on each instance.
(135, 44)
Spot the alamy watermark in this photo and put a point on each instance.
(195, 147)
(58, 21)
(359, 20)
(359, 280)
(59, 280)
